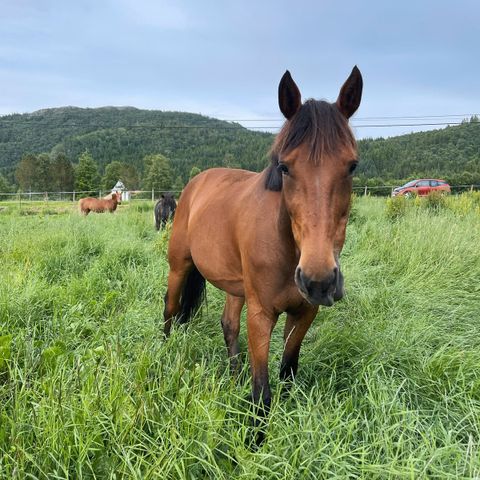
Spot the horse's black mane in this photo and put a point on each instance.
(318, 123)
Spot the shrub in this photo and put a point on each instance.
(353, 217)
(434, 201)
(396, 207)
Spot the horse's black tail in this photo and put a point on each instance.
(193, 294)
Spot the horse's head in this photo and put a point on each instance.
(117, 196)
(168, 196)
(168, 200)
(313, 159)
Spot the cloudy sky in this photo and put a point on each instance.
(419, 58)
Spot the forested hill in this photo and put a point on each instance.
(452, 153)
(127, 134)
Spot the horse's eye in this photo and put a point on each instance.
(353, 167)
(282, 168)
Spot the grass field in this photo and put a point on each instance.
(388, 384)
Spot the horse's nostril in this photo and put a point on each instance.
(302, 281)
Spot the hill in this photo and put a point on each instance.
(452, 153)
(127, 134)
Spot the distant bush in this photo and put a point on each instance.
(465, 203)
(434, 201)
(396, 207)
(353, 217)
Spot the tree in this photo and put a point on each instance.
(115, 171)
(62, 175)
(4, 186)
(158, 173)
(28, 173)
(193, 172)
(178, 184)
(230, 162)
(130, 177)
(44, 180)
(87, 178)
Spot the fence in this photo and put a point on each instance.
(377, 190)
(386, 190)
(76, 195)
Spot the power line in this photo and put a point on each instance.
(206, 123)
(266, 127)
(33, 118)
(361, 119)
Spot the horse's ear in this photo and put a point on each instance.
(289, 97)
(162, 195)
(351, 93)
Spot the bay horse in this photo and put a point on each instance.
(270, 239)
(99, 205)
(164, 209)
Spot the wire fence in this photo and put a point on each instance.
(387, 190)
(131, 195)
(153, 195)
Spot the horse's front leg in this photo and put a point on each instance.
(296, 327)
(260, 326)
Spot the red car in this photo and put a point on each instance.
(422, 187)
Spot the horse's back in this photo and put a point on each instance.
(212, 196)
(215, 185)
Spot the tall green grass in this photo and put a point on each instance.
(388, 384)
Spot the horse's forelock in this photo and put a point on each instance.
(319, 124)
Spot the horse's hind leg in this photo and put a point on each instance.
(176, 280)
(231, 328)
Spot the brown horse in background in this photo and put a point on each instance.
(270, 239)
(99, 205)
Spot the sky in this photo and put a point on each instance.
(419, 58)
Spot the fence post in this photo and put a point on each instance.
(366, 189)
(153, 195)
(73, 199)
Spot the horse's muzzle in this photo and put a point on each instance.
(324, 292)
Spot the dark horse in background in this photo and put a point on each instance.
(270, 239)
(164, 210)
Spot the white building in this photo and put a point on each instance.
(120, 188)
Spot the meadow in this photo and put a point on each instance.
(389, 378)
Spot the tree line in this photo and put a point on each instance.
(56, 173)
